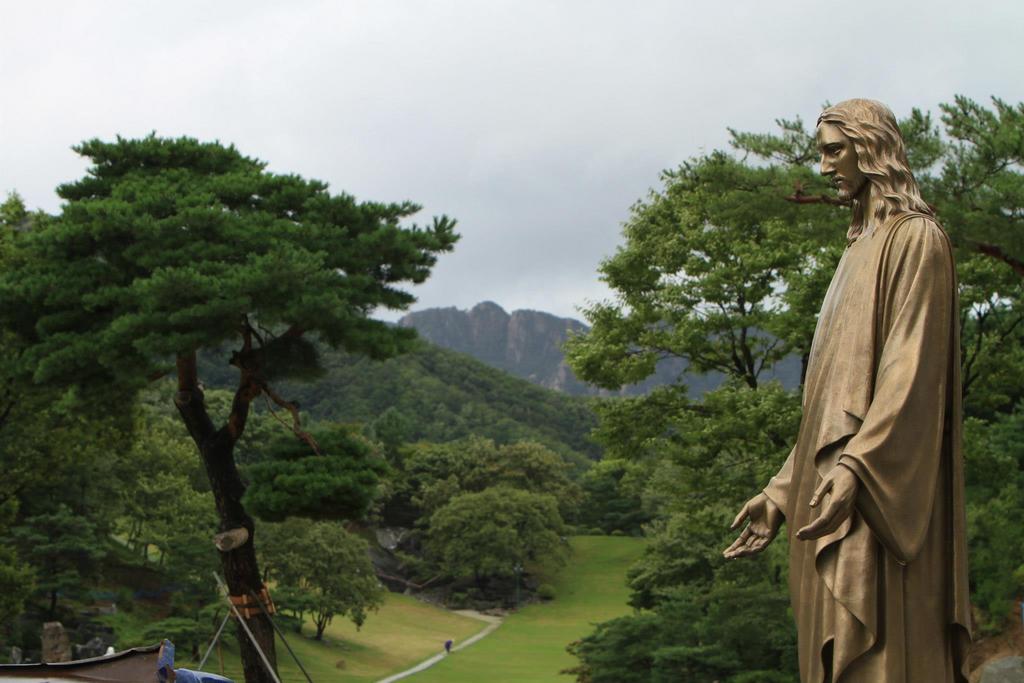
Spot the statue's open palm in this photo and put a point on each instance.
(765, 519)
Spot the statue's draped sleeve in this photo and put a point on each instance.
(897, 451)
(777, 489)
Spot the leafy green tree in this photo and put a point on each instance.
(618, 651)
(322, 570)
(730, 634)
(13, 212)
(438, 472)
(393, 429)
(162, 487)
(16, 577)
(995, 514)
(62, 547)
(720, 270)
(979, 189)
(177, 522)
(526, 466)
(703, 275)
(612, 497)
(992, 336)
(168, 247)
(487, 533)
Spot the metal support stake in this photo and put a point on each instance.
(245, 626)
(279, 632)
(213, 642)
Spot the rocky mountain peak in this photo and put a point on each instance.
(524, 343)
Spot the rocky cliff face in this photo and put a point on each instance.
(526, 344)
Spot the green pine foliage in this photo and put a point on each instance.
(167, 246)
(974, 179)
(291, 480)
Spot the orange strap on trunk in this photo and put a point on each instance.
(249, 608)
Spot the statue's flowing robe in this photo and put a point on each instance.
(884, 598)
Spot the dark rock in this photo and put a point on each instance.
(96, 647)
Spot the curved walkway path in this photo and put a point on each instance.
(492, 624)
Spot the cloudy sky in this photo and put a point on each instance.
(535, 124)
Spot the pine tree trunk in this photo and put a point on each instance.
(241, 571)
(216, 447)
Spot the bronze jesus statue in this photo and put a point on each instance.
(873, 491)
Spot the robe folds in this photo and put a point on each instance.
(884, 598)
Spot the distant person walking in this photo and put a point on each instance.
(448, 646)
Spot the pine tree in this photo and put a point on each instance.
(169, 247)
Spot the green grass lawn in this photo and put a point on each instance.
(530, 646)
(402, 633)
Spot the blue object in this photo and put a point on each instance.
(189, 676)
(165, 662)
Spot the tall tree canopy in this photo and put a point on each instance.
(170, 246)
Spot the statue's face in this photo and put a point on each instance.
(839, 161)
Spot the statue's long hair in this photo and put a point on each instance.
(881, 156)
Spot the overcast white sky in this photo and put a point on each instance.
(535, 124)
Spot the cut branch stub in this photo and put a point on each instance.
(231, 539)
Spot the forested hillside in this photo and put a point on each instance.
(433, 394)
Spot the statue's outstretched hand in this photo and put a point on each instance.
(842, 484)
(765, 519)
